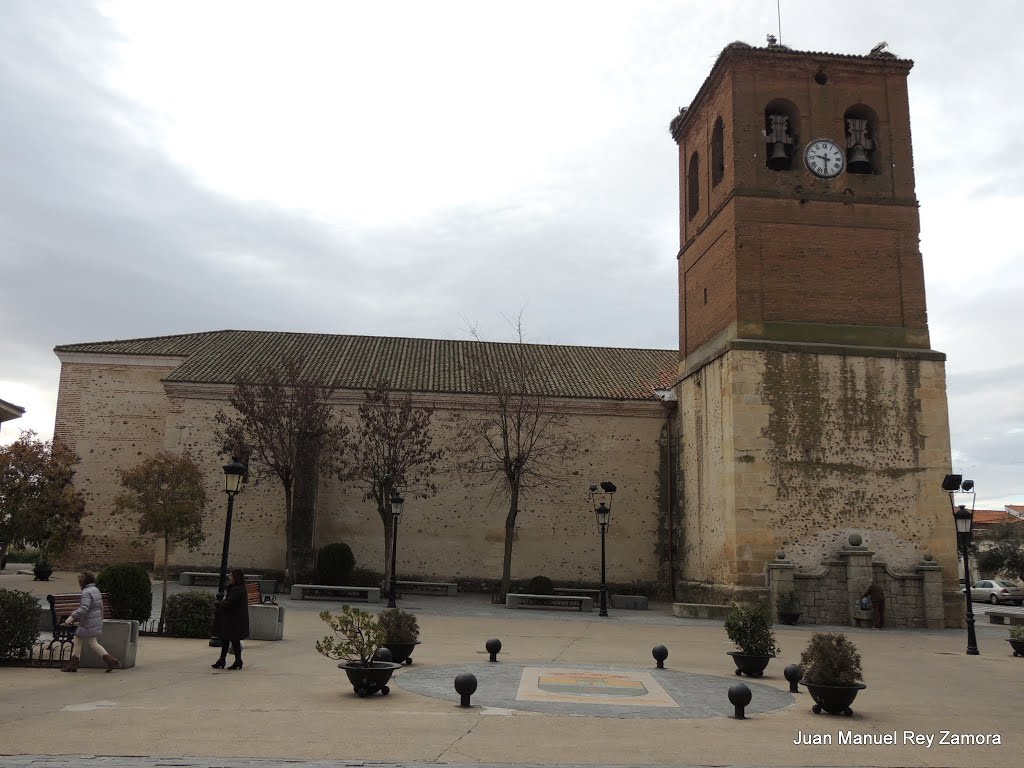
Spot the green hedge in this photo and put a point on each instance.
(19, 622)
(334, 565)
(540, 585)
(189, 614)
(131, 594)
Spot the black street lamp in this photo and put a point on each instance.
(396, 515)
(964, 519)
(234, 472)
(604, 518)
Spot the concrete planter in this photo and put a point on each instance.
(121, 639)
(266, 622)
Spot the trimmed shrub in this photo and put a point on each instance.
(831, 659)
(750, 627)
(540, 585)
(365, 577)
(15, 555)
(189, 614)
(19, 622)
(399, 626)
(334, 564)
(131, 594)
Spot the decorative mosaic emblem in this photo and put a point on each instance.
(587, 686)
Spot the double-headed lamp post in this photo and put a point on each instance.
(604, 518)
(964, 519)
(234, 472)
(396, 515)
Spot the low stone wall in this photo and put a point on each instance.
(830, 594)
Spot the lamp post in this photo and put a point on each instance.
(604, 517)
(234, 471)
(396, 515)
(964, 519)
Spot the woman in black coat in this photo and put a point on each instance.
(233, 620)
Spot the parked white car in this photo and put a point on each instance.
(995, 592)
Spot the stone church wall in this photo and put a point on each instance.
(115, 415)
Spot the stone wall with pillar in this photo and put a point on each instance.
(830, 593)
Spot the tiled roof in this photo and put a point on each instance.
(1016, 509)
(411, 365)
(993, 517)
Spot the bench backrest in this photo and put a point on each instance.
(62, 606)
(253, 594)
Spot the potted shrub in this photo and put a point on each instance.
(1016, 640)
(359, 637)
(832, 673)
(42, 570)
(750, 627)
(789, 607)
(402, 633)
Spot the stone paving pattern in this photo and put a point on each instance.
(290, 706)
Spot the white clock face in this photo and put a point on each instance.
(824, 158)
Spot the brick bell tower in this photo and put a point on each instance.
(811, 405)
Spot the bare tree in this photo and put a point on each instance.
(284, 419)
(520, 437)
(391, 447)
(166, 496)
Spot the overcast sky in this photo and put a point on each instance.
(392, 168)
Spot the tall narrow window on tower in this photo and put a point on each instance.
(781, 119)
(717, 152)
(693, 186)
(861, 139)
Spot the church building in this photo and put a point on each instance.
(803, 406)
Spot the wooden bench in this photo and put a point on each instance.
(448, 589)
(328, 592)
(254, 594)
(196, 578)
(570, 602)
(62, 606)
(1003, 617)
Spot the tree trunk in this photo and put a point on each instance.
(510, 532)
(385, 519)
(289, 574)
(304, 492)
(163, 596)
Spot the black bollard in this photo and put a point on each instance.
(660, 653)
(383, 654)
(465, 686)
(739, 697)
(794, 674)
(493, 647)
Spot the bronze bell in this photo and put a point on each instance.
(779, 158)
(859, 161)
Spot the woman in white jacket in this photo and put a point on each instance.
(89, 617)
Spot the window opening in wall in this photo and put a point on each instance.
(693, 187)
(780, 121)
(717, 152)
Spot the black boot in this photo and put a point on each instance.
(238, 662)
(219, 663)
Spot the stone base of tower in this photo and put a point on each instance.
(794, 447)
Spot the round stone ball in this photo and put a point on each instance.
(780, 554)
(660, 653)
(465, 684)
(855, 540)
(928, 557)
(493, 645)
(739, 695)
(793, 673)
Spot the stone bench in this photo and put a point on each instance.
(447, 589)
(328, 592)
(700, 610)
(572, 602)
(1005, 617)
(630, 602)
(594, 594)
(197, 579)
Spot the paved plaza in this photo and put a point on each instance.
(570, 689)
